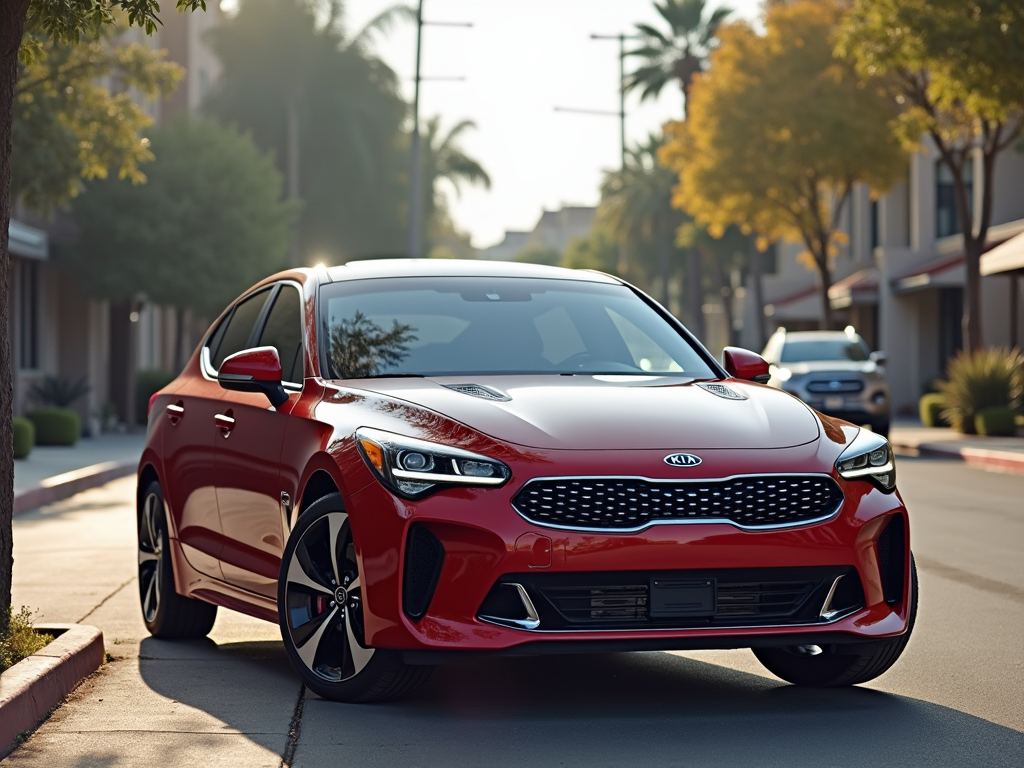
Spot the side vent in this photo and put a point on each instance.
(424, 556)
(892, 545)
(721, 390)
(478, 390)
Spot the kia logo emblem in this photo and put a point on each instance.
(682, 460)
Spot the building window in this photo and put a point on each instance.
(28, 316)
(947, 218)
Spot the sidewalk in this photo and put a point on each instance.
(1000, 453)
(51, 473)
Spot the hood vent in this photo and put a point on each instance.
(721, 390)
(478, 390)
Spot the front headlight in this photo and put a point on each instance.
(869, 457)
(416, 468)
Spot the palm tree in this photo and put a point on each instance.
(678, 54)
(444, 159)
(636, 205)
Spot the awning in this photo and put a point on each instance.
(803, 304)
(858, 289)
(941, 273)
(27, 242)
(1006, 257)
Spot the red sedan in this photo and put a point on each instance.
(407, 462)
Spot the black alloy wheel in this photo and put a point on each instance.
(840, 665)
(320, 609)
(165, 613)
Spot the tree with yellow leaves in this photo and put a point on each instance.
(779, 131)
(954, 70)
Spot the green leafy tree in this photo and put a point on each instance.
(69, 127)
(211, 206)
(539, 254)
(360, 348)
(598, 250)
(444, 160)
(636, 205)
(331, 113)
(677, 54)
(779, 132)
(66, 21)
(954, 70)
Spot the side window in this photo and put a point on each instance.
(235, 337)
(283, 330)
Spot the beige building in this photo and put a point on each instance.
(554, 229)
(56, 330)
(900, 279)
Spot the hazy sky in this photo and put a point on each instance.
(521, 59)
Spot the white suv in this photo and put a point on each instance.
(833, 372)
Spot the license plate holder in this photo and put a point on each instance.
(834, 403)
(679, 598)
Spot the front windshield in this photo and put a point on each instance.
(812, 350)
(444, 326)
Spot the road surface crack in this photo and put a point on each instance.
(294, 730)
(103, 602)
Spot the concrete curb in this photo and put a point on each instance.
(34, 686)
(61, 487)
(1006, 461)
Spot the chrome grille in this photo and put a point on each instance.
(613, 503)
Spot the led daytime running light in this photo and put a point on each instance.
(869, 456)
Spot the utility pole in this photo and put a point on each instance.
(622, 38)
(415, 168)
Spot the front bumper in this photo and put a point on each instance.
(485, 541)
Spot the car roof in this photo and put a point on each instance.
(370, 268)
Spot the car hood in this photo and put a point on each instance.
(830, 366)
(613, 412)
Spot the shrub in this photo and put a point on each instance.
(20, 640)
(930, 407)
(996, 420)
(55, 426)
(59, 391)
(24, 437)
(987, 378)
(146, 383)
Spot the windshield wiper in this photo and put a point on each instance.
(392, 376)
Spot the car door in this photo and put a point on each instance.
(190, 463)
(248, 449)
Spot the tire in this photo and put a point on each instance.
(319, 598)
(166, 614)
(835, 667)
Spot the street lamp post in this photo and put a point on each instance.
(415, 170)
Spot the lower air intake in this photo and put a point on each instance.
(424, 556)
(892, 546)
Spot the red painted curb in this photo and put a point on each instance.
(62, 486)
(1007, 461)
(34, 686)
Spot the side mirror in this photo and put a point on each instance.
(254, 370)
(744, 364)
(878, 357)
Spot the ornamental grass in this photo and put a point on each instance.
(988, 378)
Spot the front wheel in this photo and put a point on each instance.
(813, 666)
(320, 609)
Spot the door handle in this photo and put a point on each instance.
(175, 411)
(225, 423)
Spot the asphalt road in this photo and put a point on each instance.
(955, 698)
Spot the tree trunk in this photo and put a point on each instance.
(725, 291)
(757, 280)
(12, 25)
(179, 337)
(825, 274)
(664, 248)
(695, 293)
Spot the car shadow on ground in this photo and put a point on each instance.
(594, 710)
